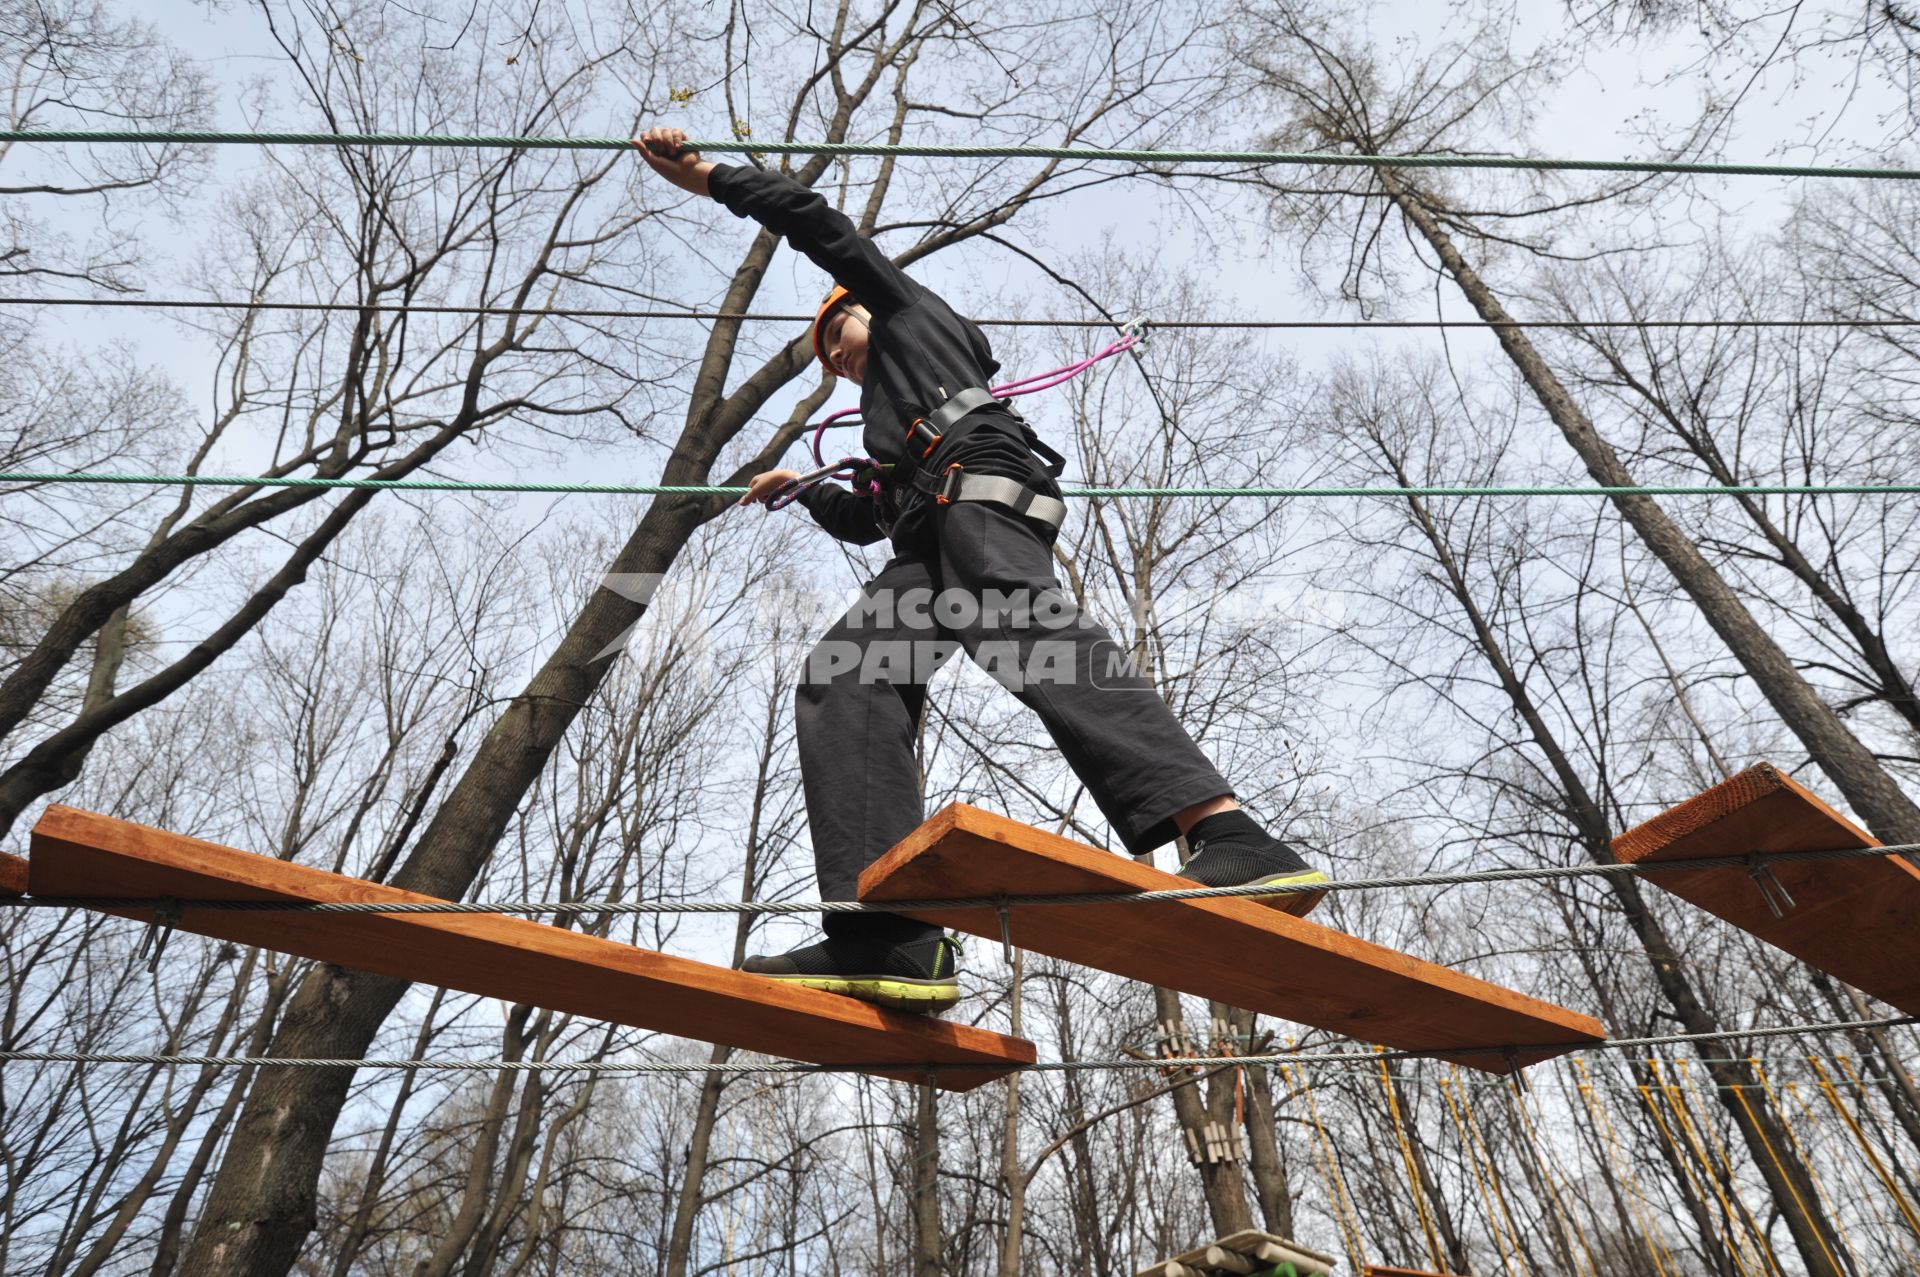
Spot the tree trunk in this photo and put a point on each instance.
(347, 1249)
(262, 1203)
(1892, 685)
(481, 1171)
(928, 1243)
(686, 1208)
(1223, 1182)
(1269, 1164)
(1872, 793)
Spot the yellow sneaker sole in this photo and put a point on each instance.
(930, 998)
(1297, 903)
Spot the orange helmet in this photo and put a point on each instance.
(835, 300)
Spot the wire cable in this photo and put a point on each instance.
(710, 316)
(1130, 155)
(1541, 873)
(651, 1066)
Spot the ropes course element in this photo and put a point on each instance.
(1857, 1182)
(1880, 1170)
(737, 146)
(615, 312)
(1690, 1104)
(1544, 1165)
(1277, 1059)
(1539, 874)
(1477, 1139)
(1728, 1239)
(721, 490)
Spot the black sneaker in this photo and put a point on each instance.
(913, 975)
(1230, 850)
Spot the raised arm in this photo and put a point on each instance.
(823, 233)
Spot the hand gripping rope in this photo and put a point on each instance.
(862, 473)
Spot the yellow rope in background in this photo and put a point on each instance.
(1708, 1140)
(1691, 1176)
(1860, 1138)
(1406, 1156)
(1480, 1179)
(1570, 1229)
(1639, 1206)
(1330, 1172)
(1813, 1220)
(1499, 1192)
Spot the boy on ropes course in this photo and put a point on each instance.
(967, 493)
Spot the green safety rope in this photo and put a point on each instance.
(716, 490)
(1136, 156)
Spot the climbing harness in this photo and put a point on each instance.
(1133, 335)
(929, 430)
(956, 485)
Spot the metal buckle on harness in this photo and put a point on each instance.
(921, 430)
(950, 487)
(933, 427)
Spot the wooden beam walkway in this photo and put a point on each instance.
(1241, 952)
(79, 853)
(1857, 919)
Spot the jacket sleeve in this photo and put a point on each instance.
(847, 516)
(817, 229)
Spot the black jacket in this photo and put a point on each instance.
(919, 352)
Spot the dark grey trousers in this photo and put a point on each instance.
(861, 693)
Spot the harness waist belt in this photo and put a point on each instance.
(961, 486)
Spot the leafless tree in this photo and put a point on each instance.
(255, 1220)
(1334, 98)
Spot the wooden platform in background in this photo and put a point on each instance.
(79, 853)
(1246, 1251)
(1241, 952)
(13, 875)
(1856, 919)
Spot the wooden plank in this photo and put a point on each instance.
(13, 875)
(78, 853)
(1855, 919)
(1241, 952)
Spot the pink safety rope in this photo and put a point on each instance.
(1008, 390)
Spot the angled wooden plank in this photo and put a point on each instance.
(1855, 919)
(1241, 952)
(78, 853)
(13, 875)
